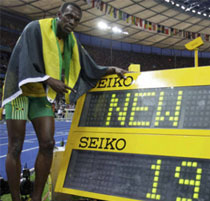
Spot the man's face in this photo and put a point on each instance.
(69, 19)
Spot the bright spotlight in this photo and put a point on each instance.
(103, 26)
(116, 30)
(125, 32)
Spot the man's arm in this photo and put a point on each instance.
(58, 86)
(115, 70)
(61, 88)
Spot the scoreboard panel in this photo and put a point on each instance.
(177, 107)
(143, 138)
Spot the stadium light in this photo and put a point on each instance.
(126, 33)
(116, 30)
(103, 26)
(112, 30)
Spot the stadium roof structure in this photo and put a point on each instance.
(159, 23)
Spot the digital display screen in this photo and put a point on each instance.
(169, 107)
(135, 176)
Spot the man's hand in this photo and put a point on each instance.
(59, 86)
(115, 70)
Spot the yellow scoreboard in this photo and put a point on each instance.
(143, 138)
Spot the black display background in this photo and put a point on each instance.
(132, 176)
(194, 112)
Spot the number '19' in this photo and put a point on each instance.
(195, 183)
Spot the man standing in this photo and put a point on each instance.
(47, 60)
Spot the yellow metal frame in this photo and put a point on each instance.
(196, 57)
(194, 45)
(192, 143)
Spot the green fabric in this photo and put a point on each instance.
(67, 55)
(39, 107)
(28, 108)
(17, 109)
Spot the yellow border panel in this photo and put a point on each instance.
(156, 79)
(160, 145)
(96, 195)
(162, 131)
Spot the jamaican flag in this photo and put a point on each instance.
(37, 56)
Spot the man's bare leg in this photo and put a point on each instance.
(16, 135)
(44, 127)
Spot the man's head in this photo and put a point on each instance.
(69, 16)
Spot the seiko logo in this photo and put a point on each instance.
(115, 82)
(102, 143)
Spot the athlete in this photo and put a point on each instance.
(47, 60)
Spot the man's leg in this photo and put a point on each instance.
(44, 127)
(16, 134)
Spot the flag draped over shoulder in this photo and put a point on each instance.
(36, 57)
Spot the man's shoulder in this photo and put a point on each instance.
(36, 23)
(31, 26)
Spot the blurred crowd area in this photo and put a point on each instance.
(63, 110)
(11, 26)
(148, 62)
